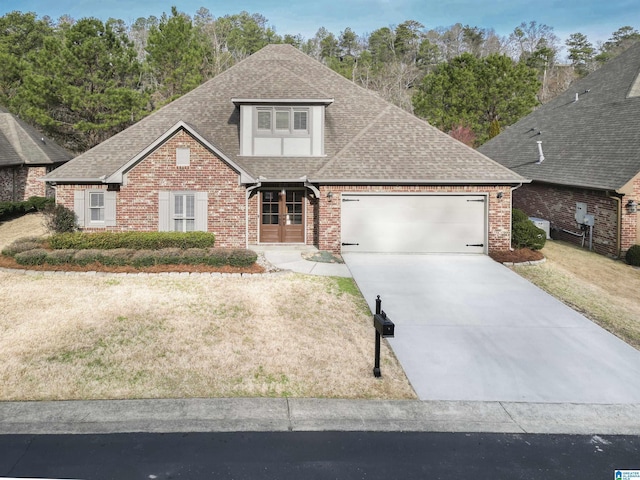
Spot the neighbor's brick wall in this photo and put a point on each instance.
(558, 205)
(630, 223)
(34, 187)
(499, 234)
(137, 201)
(20, 182)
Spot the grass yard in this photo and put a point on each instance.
(90, 337)
(606, 291)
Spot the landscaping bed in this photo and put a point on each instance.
(127, 252)
(518, 255)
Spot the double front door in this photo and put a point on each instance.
(282, 216)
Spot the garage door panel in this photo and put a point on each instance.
(413, 223)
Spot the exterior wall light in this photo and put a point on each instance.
(499, 194)
(632, 206)
(329, 195)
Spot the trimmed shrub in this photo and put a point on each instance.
(117, 257)
(10, 210)
(166, 256)
(217, 257)
(59, 219)
(194, 256)
(242, 258)
(60, 257)
(518, 215)
(39, 203)
(37, 256)
(22, 245)
(527, 235)
(144, 258)
(633, 256)
(85, 257)
(133, 240)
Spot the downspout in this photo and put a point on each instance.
(619, 222)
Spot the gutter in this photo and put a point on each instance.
(72, 180)
(406, 181)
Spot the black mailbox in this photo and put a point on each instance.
(383, 324)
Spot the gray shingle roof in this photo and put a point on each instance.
(366, 138)
(21, 144)
(592, 143)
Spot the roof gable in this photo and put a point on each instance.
(21, 144)
(363, 134)
(590, 134)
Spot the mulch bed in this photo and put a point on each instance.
(8, 262)
(519, 255)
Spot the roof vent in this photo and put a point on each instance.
(541, 156)
(42, 140)
(577, 97)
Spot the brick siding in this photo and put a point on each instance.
(137, 200)
(499, 234)
(19, 183)
(558, 205)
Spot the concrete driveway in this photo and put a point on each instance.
(468, 328)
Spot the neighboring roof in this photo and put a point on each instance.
(591, 143)
(21, 144)
(366, 138)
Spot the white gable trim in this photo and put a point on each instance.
(117, 176)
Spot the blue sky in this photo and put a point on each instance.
(595, 18)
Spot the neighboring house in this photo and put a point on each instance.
(281, 149)
(25, 157)
(590, 140)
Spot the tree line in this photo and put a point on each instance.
(84, 81)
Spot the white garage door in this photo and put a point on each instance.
(389, 223)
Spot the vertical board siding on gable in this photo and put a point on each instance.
(137, 201)
(558, 205)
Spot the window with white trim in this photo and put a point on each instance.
(288, 121)
(182, 211)
(95, 208)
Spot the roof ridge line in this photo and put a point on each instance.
(355, 138)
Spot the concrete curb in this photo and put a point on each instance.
(288, 414)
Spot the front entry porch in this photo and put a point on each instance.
(282, 216)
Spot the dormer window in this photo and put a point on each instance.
(288, 121)
(282, 128)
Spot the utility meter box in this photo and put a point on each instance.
(581, 211)
(588, 220)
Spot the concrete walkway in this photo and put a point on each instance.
(290, 258)
(293, 414)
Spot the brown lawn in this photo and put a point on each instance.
(78, 336)
(603, 289)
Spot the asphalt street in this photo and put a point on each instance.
(317, 455)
